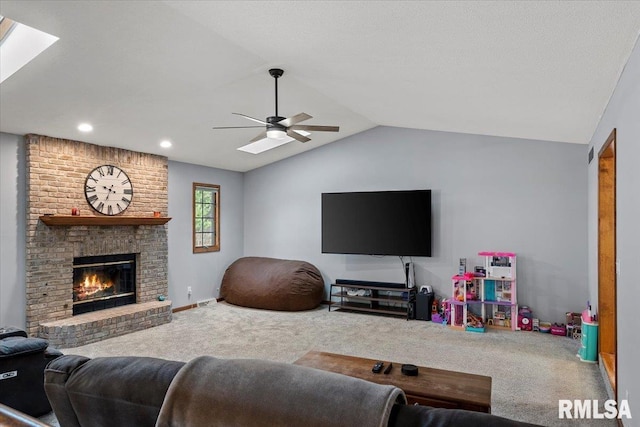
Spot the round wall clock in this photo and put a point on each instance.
(108, 190)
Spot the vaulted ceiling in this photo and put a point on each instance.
(143, 71)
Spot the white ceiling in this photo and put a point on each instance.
(143, 71)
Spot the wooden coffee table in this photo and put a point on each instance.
(432, 387)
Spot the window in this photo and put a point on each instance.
(206, 218)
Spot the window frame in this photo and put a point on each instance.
(215, 217)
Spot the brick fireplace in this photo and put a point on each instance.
(56, 173)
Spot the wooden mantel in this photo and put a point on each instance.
(71, 220)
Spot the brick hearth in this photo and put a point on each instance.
(56, 173)
(98, 325)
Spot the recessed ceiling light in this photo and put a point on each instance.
(85, 127)
(19, 44)
(165, 144)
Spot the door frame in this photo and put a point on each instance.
(607, 274)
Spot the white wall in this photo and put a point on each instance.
(488, 193)
(12, 231)
(622, 113)
(202, 271)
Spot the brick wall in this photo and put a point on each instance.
(56, 174)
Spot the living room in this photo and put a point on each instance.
(535, 197)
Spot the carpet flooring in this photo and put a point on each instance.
(530, 371)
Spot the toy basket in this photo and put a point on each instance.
(545, 327)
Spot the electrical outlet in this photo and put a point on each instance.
(189, 290)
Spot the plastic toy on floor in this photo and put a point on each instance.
(474, 323)
(545, 327)
(524, 319)
(536, 325)
(558, 329)
(574, 323)
(577, 332)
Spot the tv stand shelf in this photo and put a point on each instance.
(378, 299)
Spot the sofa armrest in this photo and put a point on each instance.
(17, 345)
(52, 353)
(108, 390)
(11, 332)
(56, 375)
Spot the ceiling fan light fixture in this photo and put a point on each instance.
(276, 134)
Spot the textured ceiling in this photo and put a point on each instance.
(141, 72)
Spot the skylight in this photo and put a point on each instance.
(19, 44)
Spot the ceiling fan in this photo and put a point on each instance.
(278, 130)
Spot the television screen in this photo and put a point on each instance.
(377, 223)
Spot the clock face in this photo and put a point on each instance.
(108, 190)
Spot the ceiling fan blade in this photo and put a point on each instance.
(296, 135)
(316, 128)
(236, 127)
(300, 117)
(262, 135)
(251, 118)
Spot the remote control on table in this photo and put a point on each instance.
(386, 371)
(377, 367)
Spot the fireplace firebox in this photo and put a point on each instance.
(101, 282)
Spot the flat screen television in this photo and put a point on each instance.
(377, 223)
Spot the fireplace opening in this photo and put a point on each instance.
(101, 282)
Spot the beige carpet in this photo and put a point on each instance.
(530, 370)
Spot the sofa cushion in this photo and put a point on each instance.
(426, 416)
(273, 284)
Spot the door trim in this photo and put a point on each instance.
(607, 277)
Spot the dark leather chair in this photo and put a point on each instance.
(22, 363)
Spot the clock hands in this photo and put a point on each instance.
(110, 190)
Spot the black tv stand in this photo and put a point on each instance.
(385, 298)
(356, 283)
